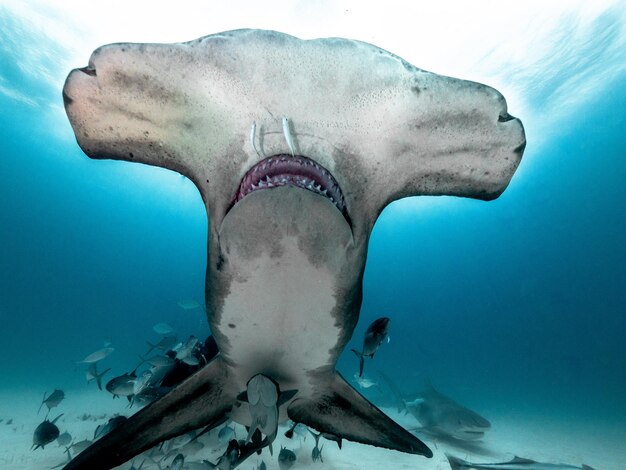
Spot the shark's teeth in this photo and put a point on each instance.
(283, 170)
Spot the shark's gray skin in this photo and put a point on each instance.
(517, 463)
(270, 128)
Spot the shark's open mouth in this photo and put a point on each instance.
(287, 170)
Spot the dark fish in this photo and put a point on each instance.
(53, 399)
(298, 428)
(286, 458)
(375, 334)
(316, 454)
(45, 433)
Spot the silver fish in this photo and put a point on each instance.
(97, 356)
(52, 400)
(163, 329)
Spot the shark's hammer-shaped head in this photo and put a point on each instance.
(284, 135)
(296, 147)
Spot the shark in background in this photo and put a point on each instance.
(517, 463)
(296, 147)
(439, 414)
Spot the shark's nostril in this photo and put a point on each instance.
(504, 117)
(520, 148)
(88, 70)
(66, 99)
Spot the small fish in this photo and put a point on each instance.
(191, 360)
(298, 428)
(92, 374)
(142, 382)
(204, 465)
(53, 400)
(163, 329)
(122, 385)
(104, 429)
(286, 458)
(375, 335)
(228, 460)
(288, 136)
(188, 304)
(316, 454)
(192, 447)
(45, 433)
(164, 344)
(160, 361)
(150, 394)
(80, 446)
(226, 434)
(133, 467)
(97, 356)
(185, 349)
(364, 382)
(517, 463)
(177, 463)
(64, 439)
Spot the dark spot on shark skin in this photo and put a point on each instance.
(232, 325)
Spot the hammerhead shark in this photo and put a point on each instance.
(296, 146)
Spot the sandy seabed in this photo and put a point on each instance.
(572, 440)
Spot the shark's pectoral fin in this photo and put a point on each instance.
(203, 399)
(340, 410)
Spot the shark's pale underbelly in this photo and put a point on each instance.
(277, 318)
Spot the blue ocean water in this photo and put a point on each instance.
(515, 303)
